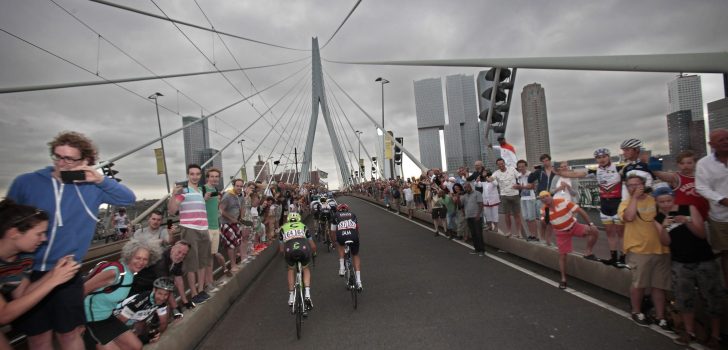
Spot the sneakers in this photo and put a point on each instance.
(472, 252)
(177, 313)
(200, 298)
(189, 305)
(291, 298)
(531, 239)
(341, 272)
(664, 325)
(211, 289)
(308, 303)
(640, 319)
(359, 287)
(481, 254)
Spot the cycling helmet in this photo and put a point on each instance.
(294, 217)
(323, 199)
(165, 283)
(342, 207)
(601, 152)
(631, 143)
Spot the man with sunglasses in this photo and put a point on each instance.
(73, 208)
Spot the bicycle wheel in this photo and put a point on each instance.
(352, 285)
(299, 314)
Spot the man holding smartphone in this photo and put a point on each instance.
(73, 207)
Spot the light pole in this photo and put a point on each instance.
(384, 132)
(245, 171)
(154, 97)
(359, 165)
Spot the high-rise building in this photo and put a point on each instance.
(462, 141)
(535, 123)
(685, 93)
(685, 133)
(718, 114)
(196, 139)
(262, 170)
(430, 110)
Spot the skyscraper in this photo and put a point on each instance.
(430, 110)
(462, 141)
(685, 93)
(718, 114)
(262, 170)
(196, 139)
(535, 123)
(678, 135)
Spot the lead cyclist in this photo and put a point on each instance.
(346, 227)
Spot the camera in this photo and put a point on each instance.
(182, 183)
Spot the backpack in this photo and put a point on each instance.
(100, 267)
(395, 193)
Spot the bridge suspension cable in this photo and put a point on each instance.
(342, 23)
(127, 8)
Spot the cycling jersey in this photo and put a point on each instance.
(347, 229)
(609, 179)
(294, 237)
(139, 307)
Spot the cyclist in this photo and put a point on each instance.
(346, 227)
(297, 246)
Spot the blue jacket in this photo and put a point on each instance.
(72, 225)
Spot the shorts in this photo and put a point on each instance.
(348, 235)
(650, 270)
(214, 241)
(297, 250)
(103, 332)
(510, 205)
(231, 235)
(530, 209)
(491, 213)
(439, 213)
(564, 238)
(704, 274)
(60, 311)
(411, 204)
(608, 211)
(718, 234)
(199, 255)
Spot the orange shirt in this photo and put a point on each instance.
(562, 216)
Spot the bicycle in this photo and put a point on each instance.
(299, 308)
(324, 229)
(349, 273)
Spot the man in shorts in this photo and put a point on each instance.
(409, 198)
(646, 256)
(559, 213)
(297, 246)
(506, 178)
(190, 201)
(212, 206)
(346, 227)
(230, 223)
(529, 205)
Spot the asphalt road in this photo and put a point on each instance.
(422, 292)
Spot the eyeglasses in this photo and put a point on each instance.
(67, 160)
(22, 219)
(634, 185)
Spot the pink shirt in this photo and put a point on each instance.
(192, 212)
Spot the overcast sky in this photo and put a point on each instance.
(585, 109)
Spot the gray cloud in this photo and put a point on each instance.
(586, 109)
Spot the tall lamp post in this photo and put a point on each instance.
(245, 171)
(384, 132)
(359, 165)
(154, 97)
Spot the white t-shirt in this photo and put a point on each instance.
(526, 194)
(408, 194)
(505, 181)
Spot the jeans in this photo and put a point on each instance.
(476, 230)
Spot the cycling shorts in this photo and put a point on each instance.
(349, 235)
(608, 211)
(297, 250)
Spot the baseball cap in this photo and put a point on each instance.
(662, 190)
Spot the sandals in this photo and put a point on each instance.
(562, 285)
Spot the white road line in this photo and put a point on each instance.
(544, 279)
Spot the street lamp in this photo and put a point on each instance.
(154, 97)
(244, 175)
(384, 132)
(359, 165)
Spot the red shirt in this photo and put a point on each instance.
(686, 194)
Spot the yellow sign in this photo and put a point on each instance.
(159, 154)
(388, 144)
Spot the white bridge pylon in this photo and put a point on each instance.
(319, 99)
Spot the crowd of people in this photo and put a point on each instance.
(669, 228)
(49, 218)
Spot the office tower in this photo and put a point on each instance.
(262, 170)
(535, 123)
(685, 133)
(718, 114)
(685, 93)
(430, 110)
(462, 141)
(195, 139)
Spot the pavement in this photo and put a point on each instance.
(425, 292)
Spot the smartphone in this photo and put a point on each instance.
(182, 183)
(71, 176)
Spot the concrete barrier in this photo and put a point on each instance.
(188, 332)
